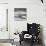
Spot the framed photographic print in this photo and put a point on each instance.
(20, 14)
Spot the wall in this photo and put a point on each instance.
(3, 21)
(35, 13)
(3, 1)
(4, 34)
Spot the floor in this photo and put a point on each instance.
(5, 44)
(9, 44)
(28, 44)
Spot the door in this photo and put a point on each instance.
(4, 34)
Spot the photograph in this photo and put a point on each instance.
(20, 14)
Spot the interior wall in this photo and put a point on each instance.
(35, 14)
(3, 34)
(3, 21)
(3, 1)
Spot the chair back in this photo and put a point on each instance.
(33, 28)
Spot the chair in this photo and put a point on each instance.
(33, 30)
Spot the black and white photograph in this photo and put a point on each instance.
(22, 22)
(20, 14)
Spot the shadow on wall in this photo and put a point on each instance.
(41, 34)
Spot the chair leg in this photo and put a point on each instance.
(20, 42)
(32, 42)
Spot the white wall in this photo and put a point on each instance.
(35, 13)
(3, 1)
(4, 34)
(3, 21)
